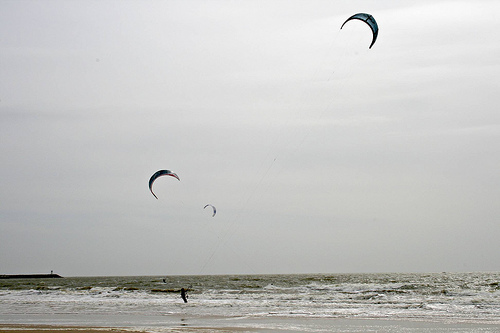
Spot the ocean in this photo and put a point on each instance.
(154, 302)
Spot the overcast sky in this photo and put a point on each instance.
(321, 155)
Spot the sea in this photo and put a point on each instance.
(153, 303)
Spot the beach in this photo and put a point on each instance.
(6, 328)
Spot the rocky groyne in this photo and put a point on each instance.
(31, 276)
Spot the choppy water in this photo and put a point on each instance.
(132, 301)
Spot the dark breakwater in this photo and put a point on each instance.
(31, 276)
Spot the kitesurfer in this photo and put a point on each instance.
(184, 295)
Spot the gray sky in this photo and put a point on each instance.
(320, 154)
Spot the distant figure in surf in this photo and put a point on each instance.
(184, 295)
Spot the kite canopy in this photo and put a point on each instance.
(368, 19)
(213, 207)
(158, 174)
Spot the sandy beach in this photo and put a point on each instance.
(272, 324)
(14, 328)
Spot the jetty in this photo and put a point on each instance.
(30, 276)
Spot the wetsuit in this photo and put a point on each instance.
(184, 296)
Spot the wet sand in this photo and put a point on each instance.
(19, 328)
(270, 324)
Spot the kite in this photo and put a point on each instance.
(159, 174)
(213, 207)
(368, 19)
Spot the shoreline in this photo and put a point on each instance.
(23, 328)
(262, 324)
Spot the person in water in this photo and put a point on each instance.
(184, 295)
